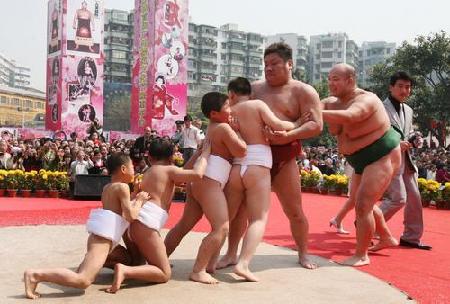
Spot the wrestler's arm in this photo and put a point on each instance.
(334, 129)
(309, 102)
(179, 175)
(130, 208)
(234, 142)
(272, 121)
(359, 111)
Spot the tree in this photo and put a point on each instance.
(428, 61)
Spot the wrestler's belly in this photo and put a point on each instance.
(349, 145)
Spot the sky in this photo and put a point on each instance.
(23, 22)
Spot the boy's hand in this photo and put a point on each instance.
(142, 197)
(206, 146)
(307, 116)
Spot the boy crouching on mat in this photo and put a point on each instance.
(159, 181)
(106, 227)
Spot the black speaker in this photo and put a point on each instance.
(90, 184)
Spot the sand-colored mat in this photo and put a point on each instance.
(282, 280)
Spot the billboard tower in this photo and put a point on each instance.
(159, 73)
(74, 65)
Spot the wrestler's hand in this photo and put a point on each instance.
(404, 146)
(307, 116)
(275, 137)
(234, 123)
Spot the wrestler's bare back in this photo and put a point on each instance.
(359, 134)
(253, 116)
(159, 185)
(112, 195)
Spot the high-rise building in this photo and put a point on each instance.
(118, 43)
(372, 53)
(13, 74)
(328, 50)
(299, 47)
(217, 55)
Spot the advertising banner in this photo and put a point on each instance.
(75, 76)
(159, 82)
(82, 93)
(84, 28)
(54, 27)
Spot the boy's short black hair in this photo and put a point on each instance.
(213, 101)
(161, 148)
(187, 118)
(115, 161)
(400, 75)
(281, 49)
(240, 86)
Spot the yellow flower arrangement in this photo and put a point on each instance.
(178, 159)
(446, 192)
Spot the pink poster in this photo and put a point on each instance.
(75, 77)
(53, 104)
(159, 93)
(82, 93)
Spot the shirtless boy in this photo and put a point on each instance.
(364, 135)
(250, 176)
(159, 181)
(207, 196)
(105, 226)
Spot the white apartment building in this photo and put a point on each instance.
(13, 74)
(299, 47)
(328, 50)
(217, 55)
(370, 54)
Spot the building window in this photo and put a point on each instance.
(119, 54)
(4, 100)
(327, 44)
(327, 54)
(339, 54)
(15, 102)
(339, 44)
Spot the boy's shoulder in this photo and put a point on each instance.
(117, 186)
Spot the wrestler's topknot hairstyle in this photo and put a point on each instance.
(240, 86)
(115, 161)
(213, 101)
(281, 49)
(161, 148)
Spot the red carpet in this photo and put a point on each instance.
(424, 275)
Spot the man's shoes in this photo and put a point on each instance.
(414, 245)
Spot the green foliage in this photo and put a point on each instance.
(428, 61)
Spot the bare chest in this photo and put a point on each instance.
(284, 104)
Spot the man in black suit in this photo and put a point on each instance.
(141, 144)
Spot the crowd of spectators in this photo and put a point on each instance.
(88, 155)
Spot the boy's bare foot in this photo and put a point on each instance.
(339, 228)
(211, 269)
(119, 276)
(356, 261)
(226, 261)
(243, 271)
(386, 243)
(202, 277)
(30, 285)
(306, 263)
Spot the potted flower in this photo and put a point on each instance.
(26, 184)
(314, 180)
(12, 183)
(329, 183)
(3, 174)
(41, 183)
(178, 159)
(63, 183)
(444, 202)
(431, 192)
(53, 184)
(341, 184)
(304, 181)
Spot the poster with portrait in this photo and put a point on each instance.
(53, 93)
(54, 27)
(159, 81)
(84, 27)
(82, 93)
